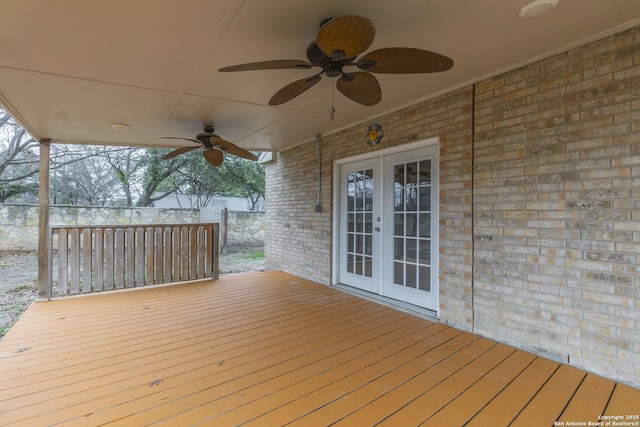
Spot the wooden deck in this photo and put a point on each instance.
(273, 349)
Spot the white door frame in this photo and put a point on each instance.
(336, 199)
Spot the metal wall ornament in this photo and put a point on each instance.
(374, 135)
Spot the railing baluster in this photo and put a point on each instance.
(149, 252)
(118, 255)
(63, 262)
(193, 255)
(159, 250)
(201, 252)
(139, 249)
(98, 243)
(184, 253)
(108, 259)
(75, 261)
(175, 238)
(130, 270)
(214, 255)
(87, 252)
(168, 255)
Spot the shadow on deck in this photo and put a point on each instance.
(273, 349)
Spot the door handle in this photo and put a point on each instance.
(377, 228)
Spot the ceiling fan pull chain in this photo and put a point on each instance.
(332, 110)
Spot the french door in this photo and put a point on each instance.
(387, 226)
(360, 224)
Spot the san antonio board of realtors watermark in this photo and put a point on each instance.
(604, 421)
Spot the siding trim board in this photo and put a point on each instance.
(539, 204)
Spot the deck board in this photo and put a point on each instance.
(591, 399)
(549, 402)
(273, 349)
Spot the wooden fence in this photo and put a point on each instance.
(101, 258)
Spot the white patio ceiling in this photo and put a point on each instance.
(70, 68)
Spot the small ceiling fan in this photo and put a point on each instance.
(339, 41)
(213, 147)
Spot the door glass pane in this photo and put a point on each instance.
(425, 225)
(425, 199)
(398, 224)
(424, 283)
(412, 250)
(368, 266)
(425, 172)
(368, 245)
(425, 251)
(398, 199)
(398, 273)
(398, 175)
(412, 173)
(411, 226)
(411, 276)
(411, 194)
(368, 179)
(398, 249)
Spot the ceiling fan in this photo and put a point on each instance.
(339, 41)
(213, 147)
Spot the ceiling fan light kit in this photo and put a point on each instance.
(537, 8)
(338, 43)
(120, 126)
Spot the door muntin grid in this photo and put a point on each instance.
(412, 195)
(359, 216)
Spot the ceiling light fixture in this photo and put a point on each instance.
(537, 8)
(120, 126)
(266, 136)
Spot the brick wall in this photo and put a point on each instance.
(540, 204)
(298, 239)
(557, 207)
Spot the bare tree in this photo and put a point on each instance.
(18, 159)
(83, 177)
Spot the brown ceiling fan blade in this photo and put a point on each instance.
(177, 152)
(184, 139)
(294, 89)
(230, 148)
(346, 36)
(281, 64)
(214, 156)
(360, 87)
(404, 60)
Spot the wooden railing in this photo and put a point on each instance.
(101, 258)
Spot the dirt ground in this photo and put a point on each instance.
(19, 279)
